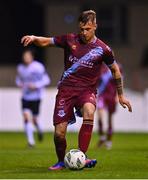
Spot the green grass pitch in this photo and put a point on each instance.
(127, 159)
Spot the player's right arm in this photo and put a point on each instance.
(37, 40)
(109, 60)
(18, 80)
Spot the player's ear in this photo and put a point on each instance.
(95, 26)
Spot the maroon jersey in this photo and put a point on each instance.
(82, 61)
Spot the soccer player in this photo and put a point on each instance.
(31, 78)
(106, 100)
(84, 54)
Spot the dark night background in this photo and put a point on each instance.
(18, 18)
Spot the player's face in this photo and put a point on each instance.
(87, 31)
(27, 57)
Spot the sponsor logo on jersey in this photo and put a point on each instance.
(85, 61)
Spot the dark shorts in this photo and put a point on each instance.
(69, 98)
(33, 106)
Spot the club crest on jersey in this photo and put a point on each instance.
(73, 46)
(61, 113)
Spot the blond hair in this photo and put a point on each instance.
(86, 16)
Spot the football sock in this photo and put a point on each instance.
(85, 134)
(100, 127)
(60, 146)
(29, 132)
(109, 134)
(108, 144)
(102, 138)
(38, 126)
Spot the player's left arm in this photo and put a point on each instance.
(119, 85)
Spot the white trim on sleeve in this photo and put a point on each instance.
(52, 40)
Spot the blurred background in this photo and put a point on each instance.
(122, 24)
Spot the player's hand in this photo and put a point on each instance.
(21, 85)
(26, 40)
(32, 87)
(125, 103)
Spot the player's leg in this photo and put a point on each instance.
(111, 104)
(100, 109)
(101, 134)
(85, 133)
(87, 102)
(110, 128)
(28, 127)
(38, 127)
(88, 111)
(62, 114)
(100, 122)
(35, 111)
(60, 145)
(109, 131)
(60, 140)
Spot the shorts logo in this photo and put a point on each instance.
(61, 113)
(61, 102)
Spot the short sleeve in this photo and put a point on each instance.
(19, 69)
(60, 41)
(108, 57)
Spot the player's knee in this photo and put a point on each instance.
(34, 121)
(26, 116)
(89, 114)
(60, 134)
(60, 130)
(26, 121)
(88, 111)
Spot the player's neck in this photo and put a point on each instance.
(92, 40)
(28, 64)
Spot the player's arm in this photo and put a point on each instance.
(44, 81)
(18, 79)
(18, 82)
(38, 41)
(119, 85)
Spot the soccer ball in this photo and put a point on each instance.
(75, 159)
